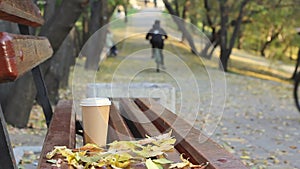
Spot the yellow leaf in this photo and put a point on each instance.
(179, 165)
(162, 161)
(151, 165)
(122, 145)
(245, 157)
(91, 148)
(55, 151)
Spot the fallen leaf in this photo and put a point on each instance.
(151, 165)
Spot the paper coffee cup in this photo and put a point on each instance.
(95, 115)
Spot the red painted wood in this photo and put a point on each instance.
(21, 11)
(21, 53)
(61, 131)
(117, 129)
(188, 138)
(8, 68)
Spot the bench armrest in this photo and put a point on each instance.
(61, 131)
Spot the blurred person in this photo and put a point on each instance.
(155, 3)
(157, 35)
(112, 49)
(120, 14)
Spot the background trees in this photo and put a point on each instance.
(266, 28)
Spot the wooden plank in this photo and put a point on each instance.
(61, 131)
(20, 53)
(117, 129)
(142, 124)
(7, 159)
(21, 11)
(188, 137)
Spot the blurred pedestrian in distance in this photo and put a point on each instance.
(157, 35)
(120, 14)
(111, 47)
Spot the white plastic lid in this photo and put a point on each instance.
(95, 102)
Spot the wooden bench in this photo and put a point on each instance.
(134, 119)
(18, 55)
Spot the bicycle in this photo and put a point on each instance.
(157, 55)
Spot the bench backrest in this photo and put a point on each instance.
(21, 11)
(21, 53)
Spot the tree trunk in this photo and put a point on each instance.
(70, 52)
(208, 9)
(85, 27)
(98, 20)
(55, 29)
(58, 76)
(224, 60)
(60, 26)
(214, 37)
(52, 94)
(238, 25)
(126, 12)
(49, 9)
(223, 34)
(181, 27)
(183, 14)
(176, 7)
(20, 101)
(214, 41)
(225, 48)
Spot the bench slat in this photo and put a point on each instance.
(21, 11)
(189, 143)
(61, 131)
(117, 127)
(145, 127)
(21, 53)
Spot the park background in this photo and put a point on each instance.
(256, 41)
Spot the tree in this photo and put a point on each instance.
(181, 25)
(226, 47)
(211, 20)
(273, 32)
(99, 20)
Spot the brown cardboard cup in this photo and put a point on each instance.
(95, 115)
